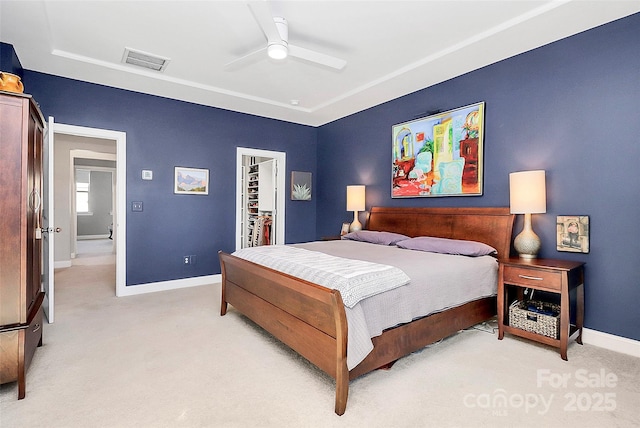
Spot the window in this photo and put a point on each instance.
(83, 183)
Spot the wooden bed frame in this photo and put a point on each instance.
(311, 319)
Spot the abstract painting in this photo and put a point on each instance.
(439, 155)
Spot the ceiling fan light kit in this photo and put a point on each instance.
(276, 31)
(277, 51)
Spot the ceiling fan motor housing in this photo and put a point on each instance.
(283, 28)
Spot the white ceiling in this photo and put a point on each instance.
(392, 48)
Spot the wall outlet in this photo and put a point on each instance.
(189, 260)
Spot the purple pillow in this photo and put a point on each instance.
(447, 246)
(374, 237)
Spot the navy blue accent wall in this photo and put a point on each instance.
(9, 61)
(570, 108)
(164, 133)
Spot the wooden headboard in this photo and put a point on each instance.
(493, 226)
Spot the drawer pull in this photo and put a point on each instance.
(36, 328)
(535, 278)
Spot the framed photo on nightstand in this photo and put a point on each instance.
(345, 229)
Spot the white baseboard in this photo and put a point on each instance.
(611, 342)
(153, 287)
(88, 237)
(62, 264)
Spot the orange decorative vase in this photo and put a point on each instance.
(10, 82)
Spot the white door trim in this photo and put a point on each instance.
(48, 238)
(120, 216)
(281, 165)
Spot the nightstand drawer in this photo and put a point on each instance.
(533, 278)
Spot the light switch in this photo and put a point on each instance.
(136, 206)
(147, 174)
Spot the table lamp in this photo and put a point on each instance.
(527, 195)
(355, 203)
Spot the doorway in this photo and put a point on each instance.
(93, 202)
(271, 166)
(85, 141)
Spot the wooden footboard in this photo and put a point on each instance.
(311, 319)
(308, 318)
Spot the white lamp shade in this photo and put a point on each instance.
(527, 192)
(355, 198)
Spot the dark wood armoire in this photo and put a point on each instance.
(21, 154)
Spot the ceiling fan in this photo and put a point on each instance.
(276, 30)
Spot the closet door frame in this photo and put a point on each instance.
(280, 166)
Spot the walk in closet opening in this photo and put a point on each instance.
(259, 198)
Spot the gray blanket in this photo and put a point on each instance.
(438, 282)
(354, 279)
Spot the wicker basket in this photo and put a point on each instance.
(537, 317)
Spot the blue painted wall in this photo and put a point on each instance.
(9, 61)
(161, 134)
(570, 108)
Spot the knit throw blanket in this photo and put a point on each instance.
(354, 279)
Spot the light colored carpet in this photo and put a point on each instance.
(170, 360)
(93, 247)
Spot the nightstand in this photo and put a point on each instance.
(552, 276)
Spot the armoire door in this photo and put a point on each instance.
(34, 210)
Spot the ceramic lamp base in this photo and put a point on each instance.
(527, 243)
(355, 225)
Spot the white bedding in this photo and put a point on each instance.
(438, 282)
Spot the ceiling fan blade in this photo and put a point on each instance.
(262, 13)
(317, 57)
(245, 60)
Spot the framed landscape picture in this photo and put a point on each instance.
(439, 155)
(191, 181)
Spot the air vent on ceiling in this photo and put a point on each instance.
(144, 59)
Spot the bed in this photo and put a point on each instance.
(311, 319)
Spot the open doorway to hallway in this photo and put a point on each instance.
(93, 196)
(66, 143)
